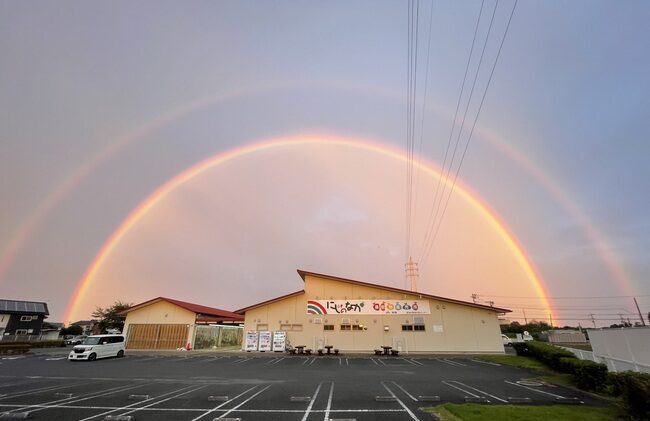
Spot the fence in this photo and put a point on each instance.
(626, 349)
(29, 338)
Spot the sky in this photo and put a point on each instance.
(104, 103)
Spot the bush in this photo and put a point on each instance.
(14, 348)
(521, 349)
(37, 344)
(588, 375)
(634, 389)
(549, 354)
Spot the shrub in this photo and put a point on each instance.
(521, 349)
(37, 344)
(549, 354)
(588, 375)
(634, 389)
(14, 348)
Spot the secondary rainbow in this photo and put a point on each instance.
(161, 192)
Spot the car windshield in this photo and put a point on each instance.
(91, 341)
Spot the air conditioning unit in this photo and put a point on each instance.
(318, 321)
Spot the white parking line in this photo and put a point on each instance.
(137, 403)
(404, 390)
(381, 361)
(164, 400)
(373, 360)
(462, 390)
(480, 391)
(485, 362)
(273, 361)
(535, 390)
(219, 406)
(244, 402)
(42, 389)
(278, 360)
(311, 402)
(450, 362)
(329, 403)
(401, 403)
(56, 358)
(312, 361)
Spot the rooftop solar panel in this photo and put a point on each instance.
(14, 306)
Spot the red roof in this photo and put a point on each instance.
(195, 308)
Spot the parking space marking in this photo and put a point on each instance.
(485, 362)
(535, 390)
(450, 362)
(42, 389)
(329, 402)
(405, 392)
(69, 400)
(56, 358)
(462, 390)
(137, 403)
(413, 417)
(244, 402)
(242, 360)
(164, 400)
(219, 406)
(311, 403)
(373, 360)
(480, 391)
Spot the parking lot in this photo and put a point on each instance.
(201, 386)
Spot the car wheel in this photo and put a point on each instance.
(120, 353)
(92, 357)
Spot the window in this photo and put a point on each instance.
(328, 327)
(115, 339)
(358, 327)
(285, 327)
(21, 331)
(407, 327)
(27, 318)
(262, 327)
(346, 327)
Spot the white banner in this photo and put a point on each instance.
(368, 307)
(251, 341)
(279, 341)
(265, 341)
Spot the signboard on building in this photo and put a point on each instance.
(279, 341)
(251, 341)
(376, 307)
(264, 341)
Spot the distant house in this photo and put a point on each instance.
(22, 317)
(50, 331)
(87, 326)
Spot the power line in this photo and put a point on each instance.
(429, 226)
(478, 113)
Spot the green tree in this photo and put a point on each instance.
(72, 330)
(109, 317)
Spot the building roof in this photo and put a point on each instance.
(83, 323)
(304, 273)
(23, 307)
(216, 313)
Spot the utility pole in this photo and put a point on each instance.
(550, 318)
(412, 274)
(475, 298)
(639, 310)
(525, 319)
(593, 320)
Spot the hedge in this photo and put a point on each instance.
(588, 375)
(14, 348)
(634, 389)
(37, 344)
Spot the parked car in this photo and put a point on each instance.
(76, 340)
(506, 340)
(98, 346)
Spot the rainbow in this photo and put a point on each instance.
(314, 307)
(25, 230)
(161, 192)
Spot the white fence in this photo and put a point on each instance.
(625, 349)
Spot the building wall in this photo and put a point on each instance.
(464, 328)
(33, 327)
(161, 312)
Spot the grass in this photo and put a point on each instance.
(475, 412)
(529, 363)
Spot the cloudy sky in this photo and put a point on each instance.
(104, 103)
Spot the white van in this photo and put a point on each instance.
(98, 346)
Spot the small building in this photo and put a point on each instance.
(359, 316)
(23, 318)
(566, 336)
(165, 323)
(87, 326)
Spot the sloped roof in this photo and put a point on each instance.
(23, 307)
(304, 273)
(195, 308)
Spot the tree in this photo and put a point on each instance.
(71, 330)
(109, 317)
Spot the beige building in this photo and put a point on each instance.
(165, 323)
(358, 316)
